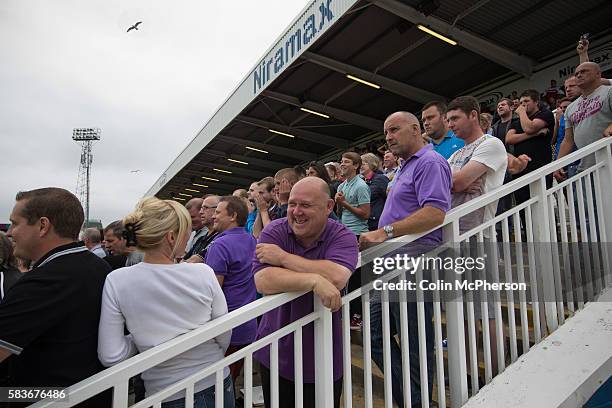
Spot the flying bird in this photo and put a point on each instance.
(135, 171)
(134, 27)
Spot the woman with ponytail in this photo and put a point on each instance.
(160, 299)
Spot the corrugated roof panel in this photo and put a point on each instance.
(425, 57)
(521, 32)
(370, 24)
(372, 102)
(436, 76)
(391, 103)
(401, 37)
(449, 10)
(497, 14)
(323, 86)
(596, 19)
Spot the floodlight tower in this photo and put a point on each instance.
(86, 137)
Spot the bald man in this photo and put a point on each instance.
(306, 251)
(284, 179)
(418, 202)
(415, 207)
(588, 118)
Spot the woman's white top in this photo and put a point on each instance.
(158, 303)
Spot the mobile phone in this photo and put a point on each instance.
(584, 37)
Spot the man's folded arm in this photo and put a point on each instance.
(4, 354)
(273, 279)
(335, 273)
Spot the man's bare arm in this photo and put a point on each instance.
(513, 138)
(273, 255)
(4, 354)
(257, 225)
(471, 172)
(274, 280)
(337, 274)
(362, 211)
(531, 127)
(421, 220)
(265, 218)
(517, 164)
(567, 144)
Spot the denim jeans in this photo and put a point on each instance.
(206, 398)
(396, 352)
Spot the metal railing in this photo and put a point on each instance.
(562, 277)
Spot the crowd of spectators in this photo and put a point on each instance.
(99, 298)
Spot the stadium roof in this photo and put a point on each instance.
(379, 42)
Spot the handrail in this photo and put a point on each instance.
(152, 357)
(156, 355)
(485, 199)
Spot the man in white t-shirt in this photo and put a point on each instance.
(479, 166)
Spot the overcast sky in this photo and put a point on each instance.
(70, 63)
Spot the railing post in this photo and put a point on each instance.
(120, 394)
(457, 366)
(541, 237)
(324, 355)
(604, 190)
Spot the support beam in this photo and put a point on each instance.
(225, 179)
(486, 48)
(408, 91)
(293, 153)
(307, 135)
(238, 169)
(180, 185)
(227, 184)
(252, 160)
(341, 114)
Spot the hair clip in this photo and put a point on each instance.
(129, 234)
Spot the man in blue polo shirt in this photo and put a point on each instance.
(443, 140)
(306, 251)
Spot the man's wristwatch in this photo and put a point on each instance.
(388, 230)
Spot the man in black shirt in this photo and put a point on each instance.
(531, 134)
(501, 126)
(49, 318)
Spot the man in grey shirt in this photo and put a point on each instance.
(589, 117)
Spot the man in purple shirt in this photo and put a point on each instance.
(417, 202)
(304, 252)
(230, 255)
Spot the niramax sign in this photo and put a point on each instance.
(315, 20)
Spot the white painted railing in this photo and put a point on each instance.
(556, 279)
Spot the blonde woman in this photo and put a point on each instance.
(159, 300)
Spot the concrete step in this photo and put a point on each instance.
(378, 382)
